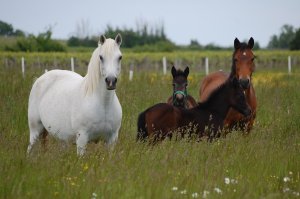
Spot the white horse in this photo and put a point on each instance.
(75, 108)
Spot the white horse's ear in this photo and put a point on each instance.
(118, 39)
(102, 39)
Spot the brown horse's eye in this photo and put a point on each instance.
(252, 59)
(235, 59)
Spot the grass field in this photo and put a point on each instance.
(264, 164)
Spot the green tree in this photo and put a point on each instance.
(295, 43)
(6, 29)
(284, 39)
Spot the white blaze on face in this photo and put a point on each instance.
(244, 53)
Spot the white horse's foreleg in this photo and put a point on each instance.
(81, 142)
(113, 139)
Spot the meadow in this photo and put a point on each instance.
(263, 164)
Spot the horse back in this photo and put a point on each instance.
(210, 83)
(159, 120)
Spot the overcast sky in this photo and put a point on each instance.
(208, 21)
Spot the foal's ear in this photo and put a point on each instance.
(251, 43)
(237, 43)
(186, 71)
(118, 39)
(102, 39)
(173, 71)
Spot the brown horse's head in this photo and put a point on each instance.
(179, 86)
(237, 99)
(243, 62)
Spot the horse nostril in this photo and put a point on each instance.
(245, 83)
(111, 82)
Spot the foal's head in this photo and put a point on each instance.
(237, 98)
(243, 62)
(179, 86)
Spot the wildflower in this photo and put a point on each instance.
(85, 167)
(195, 195)
(296, 193)
(205, 194)
(233, 181)
(291, 173)
(174, 188)
(286, 189)
(218, 190)
(286, 179)
(94, 195)
(183, 191)
(227, 180)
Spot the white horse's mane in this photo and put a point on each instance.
(93, 73)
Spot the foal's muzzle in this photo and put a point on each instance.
(111, 83)
(245, 83)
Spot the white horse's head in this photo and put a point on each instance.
(110, 58)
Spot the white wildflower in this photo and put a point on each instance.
(195, 195)
(233, 181)
(227, 180)
(286, 189)
(205, 194)
(174, 188)
(183, 191)
(296, 193)
(286, 179)
(218, 190)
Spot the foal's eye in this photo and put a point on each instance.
(101, 58)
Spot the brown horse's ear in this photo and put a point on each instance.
(251, 43)
(237, 43)
(186, 71)
(118, 39)
(173, 71)
(102, 39)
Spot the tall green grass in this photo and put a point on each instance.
(263, 164)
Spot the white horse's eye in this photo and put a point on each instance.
(101, 58)
(120, 58)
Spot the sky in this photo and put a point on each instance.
(207, 21)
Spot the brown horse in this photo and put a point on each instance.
(180, 98)
(206, 119)
(242, 68)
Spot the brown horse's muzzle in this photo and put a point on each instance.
(245, 83)
(247, 112)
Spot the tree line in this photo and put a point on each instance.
(143, 38)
